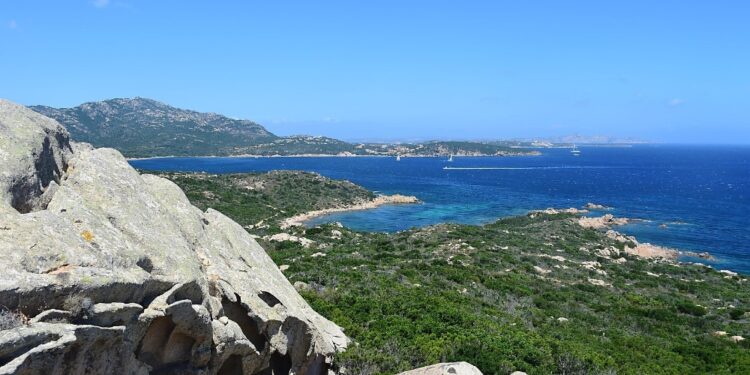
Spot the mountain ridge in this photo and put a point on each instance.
(143, 127)
(146, 127)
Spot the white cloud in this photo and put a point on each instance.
(12, 24)
(676, 102)
(100, 3)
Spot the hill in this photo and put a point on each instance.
(141, 127)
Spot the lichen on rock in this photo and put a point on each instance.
(119, 273)
(454, 368)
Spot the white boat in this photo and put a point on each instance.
(575, 151)
(398, 157)
(450, 159)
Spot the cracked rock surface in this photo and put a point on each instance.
(454, 368)
(118, 273)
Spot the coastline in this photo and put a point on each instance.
(605, 222)
(641, 249)
(533, 153)
(259, 156)
(608, 221)
(380, 200)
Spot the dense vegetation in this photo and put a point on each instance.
(142, 127)
(536, 293)
(258, 201)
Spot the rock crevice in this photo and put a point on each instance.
(34, 151)
(123, 275)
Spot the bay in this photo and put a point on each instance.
(694, 198)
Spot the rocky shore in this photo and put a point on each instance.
(378, 201)
(633, 246)
(603, 221)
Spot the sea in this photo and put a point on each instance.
(688, 197)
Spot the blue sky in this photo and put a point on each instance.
(674, 71)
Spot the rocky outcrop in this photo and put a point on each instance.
(118, 273)
(603, 221)
(281, 237)
(34, 152)
(647, 250)
(595, 207)
(633, 247)
(455, 368)
(556, 211)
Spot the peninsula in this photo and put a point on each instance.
(552, 291)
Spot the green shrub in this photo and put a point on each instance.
(687, 307)
(313, 231)
(736, 314)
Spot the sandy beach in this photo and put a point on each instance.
(378, 201)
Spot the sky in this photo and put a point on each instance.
(665, 71)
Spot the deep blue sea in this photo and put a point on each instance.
(701, 193)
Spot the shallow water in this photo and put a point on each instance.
(701, 193)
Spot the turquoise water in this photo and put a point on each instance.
(701, 193)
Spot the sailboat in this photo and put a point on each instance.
(398, 157)
(450, 159)
(575, 151)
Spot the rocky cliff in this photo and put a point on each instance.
(111, 271)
